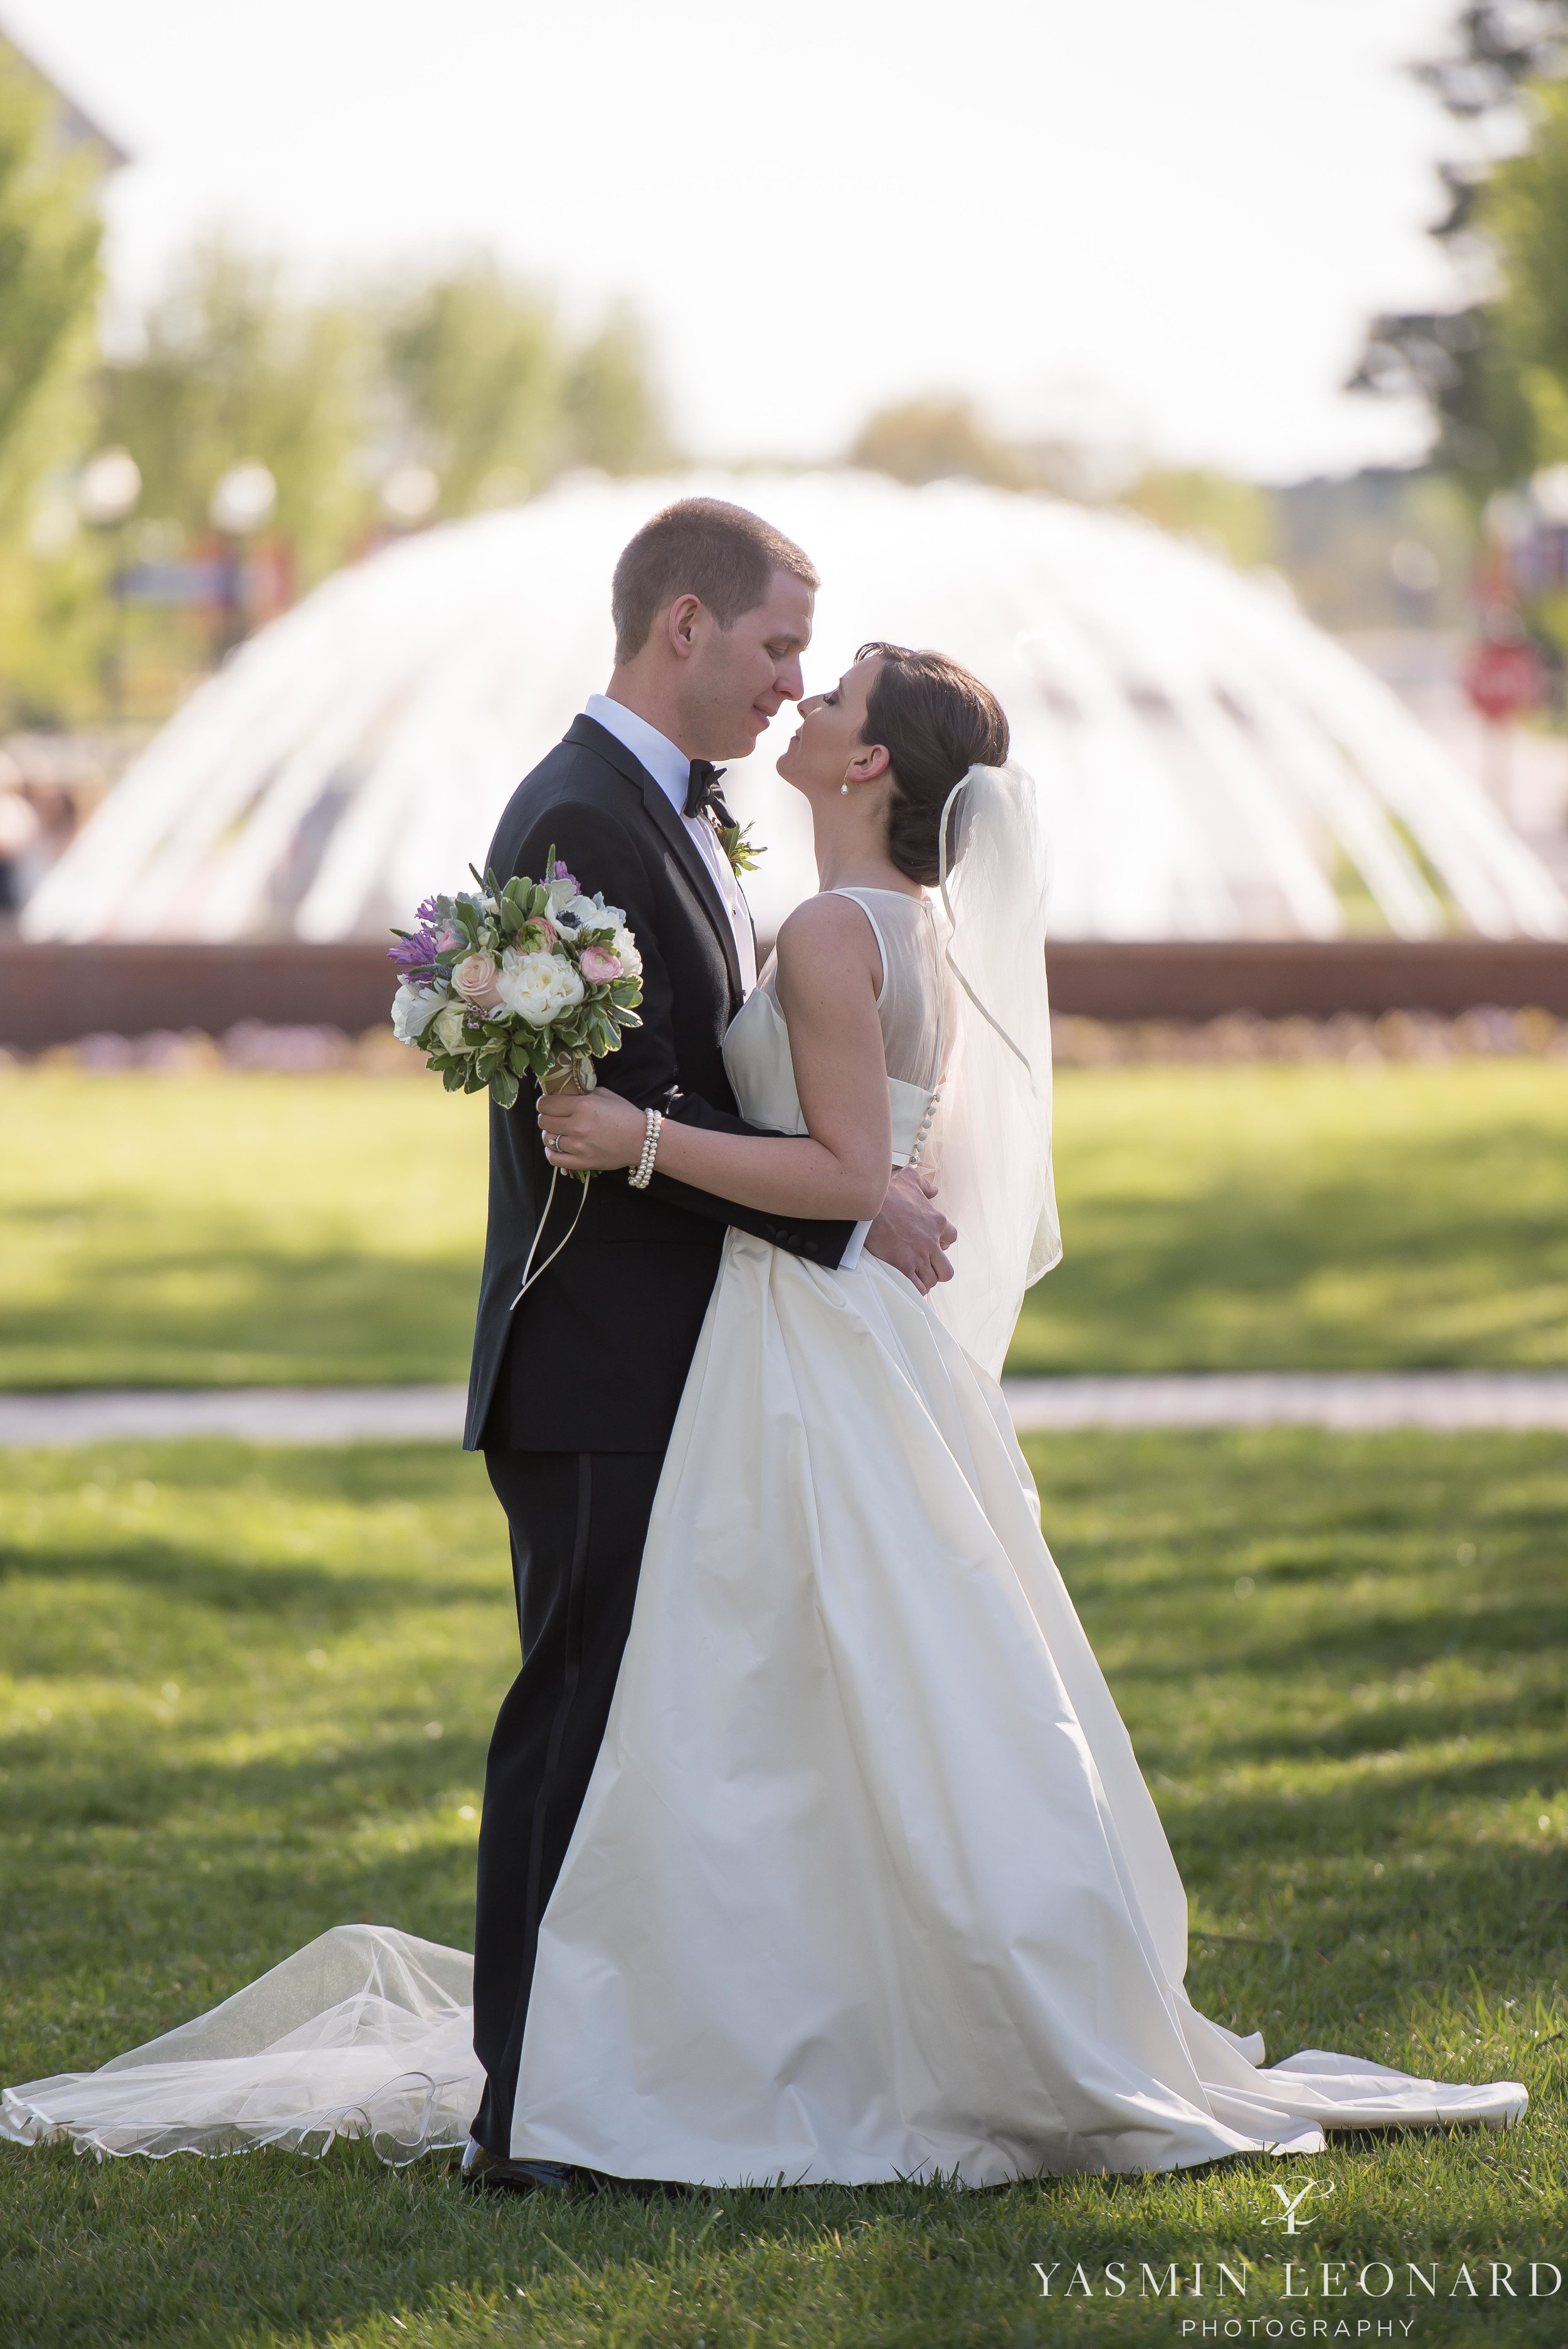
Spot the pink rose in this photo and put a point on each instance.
(598, 965)
(474, 980)
(546, 930)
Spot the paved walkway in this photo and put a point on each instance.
(1350, 1401)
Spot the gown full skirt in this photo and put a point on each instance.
(867, 1883)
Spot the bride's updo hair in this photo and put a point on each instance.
(936, 721)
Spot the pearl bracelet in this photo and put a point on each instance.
(640, 1175)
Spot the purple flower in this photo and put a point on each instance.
(560, 874)
(415, 950)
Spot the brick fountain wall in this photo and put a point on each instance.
(55, 994)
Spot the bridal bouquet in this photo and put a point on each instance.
(497, 984)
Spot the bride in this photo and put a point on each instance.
(867, 1883)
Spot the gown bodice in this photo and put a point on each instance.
(916, 1023)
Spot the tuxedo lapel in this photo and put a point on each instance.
(591, 736)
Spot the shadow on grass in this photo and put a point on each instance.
(362, 2243)
(239, 1308)
(1424, 1268)
(152, 1878)
(210, 1582)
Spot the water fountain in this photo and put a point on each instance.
(1211, 764)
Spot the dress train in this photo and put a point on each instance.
(867, 1884)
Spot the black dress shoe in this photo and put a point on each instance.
(486, 2173)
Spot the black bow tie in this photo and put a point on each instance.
(703, 793)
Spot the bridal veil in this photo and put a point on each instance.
(993, 1132)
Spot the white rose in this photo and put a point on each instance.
(447, 1028)
(590, 914)
(626, 952)
(538, 986)
(413, 1008)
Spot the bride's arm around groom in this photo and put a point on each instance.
(573, 1395)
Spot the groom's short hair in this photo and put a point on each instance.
(703, 547)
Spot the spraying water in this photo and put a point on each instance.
(1209, 763)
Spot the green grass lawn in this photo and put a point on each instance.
(228, 1230)
(1322, 1218)
(248, 1697)
(234, 1229)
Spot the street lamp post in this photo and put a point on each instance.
(107, 492)
(243, 500)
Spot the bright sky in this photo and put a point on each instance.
(1161, 220)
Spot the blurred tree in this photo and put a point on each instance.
(474, 366)
(468, 374)
(1388, 547)
(1523, 211)
(49, 239)
(935, 439)
(1235, 518)
(612, 414)
(486, 390)
(1463, 364)
(231, 370)
(943, 438)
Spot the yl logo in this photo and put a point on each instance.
(1291, 2218)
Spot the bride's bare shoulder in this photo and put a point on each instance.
(827, 933)
(824, 921)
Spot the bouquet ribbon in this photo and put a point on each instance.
(572, 1073)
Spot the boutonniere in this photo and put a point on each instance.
(738, 846)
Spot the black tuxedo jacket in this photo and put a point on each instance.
(594, 1358)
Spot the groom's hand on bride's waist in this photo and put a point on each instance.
(912, 1233)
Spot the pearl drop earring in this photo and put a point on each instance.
(843, 790)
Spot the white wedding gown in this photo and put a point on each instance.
(867, 1884)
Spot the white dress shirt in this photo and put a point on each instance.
(671, 770)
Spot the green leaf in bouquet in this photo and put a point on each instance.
(504, 1088)
(451, 1076)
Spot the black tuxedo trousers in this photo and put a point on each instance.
(578, 1522)
(574, 1391)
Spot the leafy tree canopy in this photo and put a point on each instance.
(49, 237)
(935, 439)
(1525, 212)
(487, 389)
(467, 374)
(231, 371)
(1472, 366)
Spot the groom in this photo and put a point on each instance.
(573, 1395)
